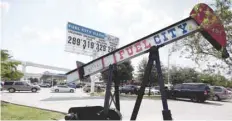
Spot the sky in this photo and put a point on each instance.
(35, 30)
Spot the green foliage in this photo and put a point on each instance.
(198, 49)
(125, 72)
(9, 68)
(183, 75)
(215, 79)
(15, 112)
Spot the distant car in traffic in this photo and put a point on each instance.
(197, 92)
(79, 85)
(129, 89)
(45, 85)
(72, 85)
(229, 89)
(87, 88)
(62, 88)
(153, 91)
(1, 87)
(13, 86)
(220, 93)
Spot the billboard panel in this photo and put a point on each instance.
(87, 41)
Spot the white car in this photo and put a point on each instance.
(62, 88)
(230, 94)
(154, 90)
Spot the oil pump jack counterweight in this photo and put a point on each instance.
(202, 19)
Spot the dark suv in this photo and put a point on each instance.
(131, 89)
(197, 92)
(13, 86)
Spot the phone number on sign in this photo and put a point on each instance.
(86, 44)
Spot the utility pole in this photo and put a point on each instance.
(52, 80)
(169, 54)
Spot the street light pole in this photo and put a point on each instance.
(169, 54)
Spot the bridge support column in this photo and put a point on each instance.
(24, 72)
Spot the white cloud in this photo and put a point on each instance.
(5, 6)
(129, 20)
(133, 20)
(42, 36)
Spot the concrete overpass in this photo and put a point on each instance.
(27, 63)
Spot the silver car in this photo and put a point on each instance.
(220, 93)
(13, 86)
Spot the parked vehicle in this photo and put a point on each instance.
(13, 86)
(79, 85)
(72, 85)
(229, 89)
(62, 88)
(197, 92)
(220, 93)
(156, 90)
(45, 85)
(87, 88)
(129, 89)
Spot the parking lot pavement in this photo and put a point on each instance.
(149, 110)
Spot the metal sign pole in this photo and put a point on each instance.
(116, 87)
(147, 73)
(108, 89)
(166, 112)
(93, 77)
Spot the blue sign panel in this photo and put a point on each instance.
(85, 30)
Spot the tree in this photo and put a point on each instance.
(195, 47)
(9, 68)
(183, 75)
(154, 76)
(125, 72)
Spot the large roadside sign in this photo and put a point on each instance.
(83, 40)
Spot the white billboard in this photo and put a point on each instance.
(86, 41)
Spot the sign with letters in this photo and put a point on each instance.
(87, 41)
(202, 20)
(139, 47)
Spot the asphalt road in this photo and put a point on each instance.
(149, 110)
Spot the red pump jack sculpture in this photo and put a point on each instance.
(202, 19)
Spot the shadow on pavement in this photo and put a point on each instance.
(62, 92)
(205, 103)
(82, 98)
(21, 92)
(227, 101)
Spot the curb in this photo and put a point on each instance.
(34, 107)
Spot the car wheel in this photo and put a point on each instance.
(11, 90)
(194, 99)
(153, 93)
(216, 98)
(201, 100)
(34, 90)
(172, 96)
(71, 90)
(56, 90)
